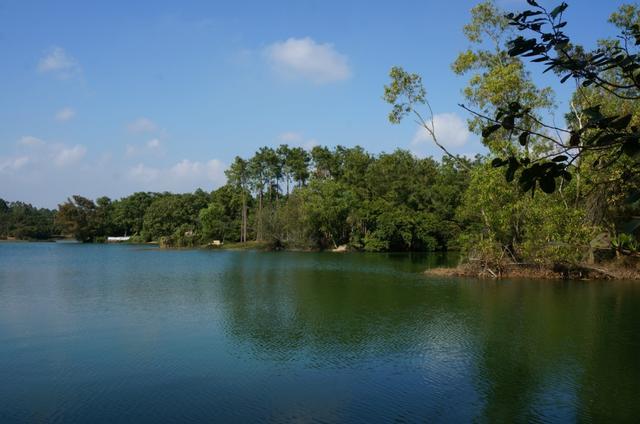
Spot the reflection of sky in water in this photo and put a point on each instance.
(112, 333)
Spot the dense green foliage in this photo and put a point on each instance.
(291, 198)
(591, 185)
(24, 222)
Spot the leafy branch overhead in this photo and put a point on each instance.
(613, 69)
(405, 92)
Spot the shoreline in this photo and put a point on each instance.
(599, 272)
(609, 271)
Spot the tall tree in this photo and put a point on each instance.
(77, 216)
(238, 176)
(298, 163)
(284, 158)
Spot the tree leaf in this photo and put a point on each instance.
(527, 184)
(497, 162)
(508, 122)
(621, 122)
(487, 131)
(548, 184)
(558, 10)
(574, 140)
(511, 170)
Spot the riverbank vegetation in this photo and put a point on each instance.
(22, 221)
(293, 199)
(543, 196)
(547, 196)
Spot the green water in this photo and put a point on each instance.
(136, 334)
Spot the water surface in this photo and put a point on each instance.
(98, 333)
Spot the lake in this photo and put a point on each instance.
(124, 333)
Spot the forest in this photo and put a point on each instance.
(23, 221)
(541, 193)
(290, 198)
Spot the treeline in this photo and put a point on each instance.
(544, 204)
(291, 198)
(22, 221)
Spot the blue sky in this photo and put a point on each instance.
(108, 98)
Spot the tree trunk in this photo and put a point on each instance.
(259, 229)
(243, 229)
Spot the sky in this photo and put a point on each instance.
(109, 98)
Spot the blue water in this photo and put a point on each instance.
(102, 333)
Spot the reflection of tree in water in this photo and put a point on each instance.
(610, 384)
(323, 308)
(537, 350)
(506, 375)
(556, 351)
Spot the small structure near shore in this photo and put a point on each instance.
(117, 239)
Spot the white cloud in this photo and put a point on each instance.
(212, 170)
(142, 125)
(450, 129)
(59, 62)
(36, 177)
(303, 57)
(66, 156)
(144, 173)
(65, 114)
(153, 144)
(42, 154)
(13, 164)
(45, 173)
(151, 147)
(183, 176)
(30, 141)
